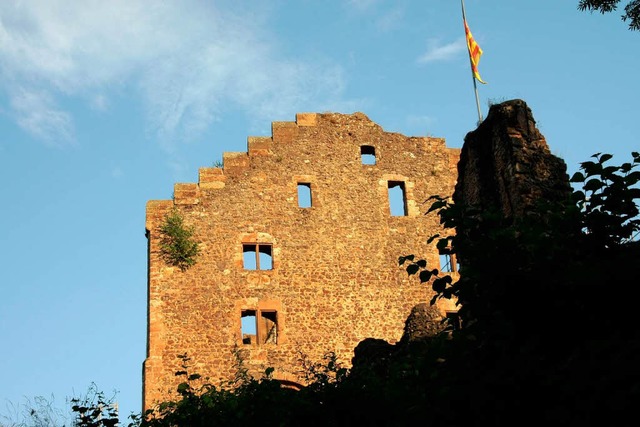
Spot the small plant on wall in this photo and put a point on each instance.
(177, 246)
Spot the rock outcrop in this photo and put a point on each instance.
(505, 164)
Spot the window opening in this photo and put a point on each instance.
(249, 327)
(257, 256)
(397, 198)
(448, 263)
(268, 327)
(304, 194)
(259, 327)
(368, 155)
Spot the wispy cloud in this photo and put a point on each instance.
(436, 51)
(185, 59)
(38, 115)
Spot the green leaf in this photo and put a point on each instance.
(577, 177)
(591, 168)
(593, 185)
(432, 238)
(578, 196)
(632, 178)
(421, 263)
(605, 157)
(194, 377)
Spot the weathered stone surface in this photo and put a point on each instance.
(335, 279)
(505, 164)
(424, 321)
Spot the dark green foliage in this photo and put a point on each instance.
(542, 332)
(546, 252)
(631, 10)
(177, 246)
(244, 401)
(607, 200)
(94, 410)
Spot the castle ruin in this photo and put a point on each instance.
(299, 244)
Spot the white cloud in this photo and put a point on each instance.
(186, 59)
(442, 52)
(38, 115)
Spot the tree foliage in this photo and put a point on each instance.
(177, 246)
(95, 409)
(509, 266)
(631, 10)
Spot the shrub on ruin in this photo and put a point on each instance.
(177, 245)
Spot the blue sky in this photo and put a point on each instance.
(104, 105)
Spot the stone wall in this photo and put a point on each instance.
(334, 278)
(505, 164)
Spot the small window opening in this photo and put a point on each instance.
(257, 256)
(368, 155)
(268, 327)
(259, 327)
(397, 198)
(249, 327)
(304, 195)
(448, 262)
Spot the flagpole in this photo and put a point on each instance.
(473, 77)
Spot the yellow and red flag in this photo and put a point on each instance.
(474, 52)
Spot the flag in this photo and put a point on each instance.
(474, 52)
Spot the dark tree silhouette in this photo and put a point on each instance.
(631, 10)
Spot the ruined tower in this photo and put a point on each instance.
(299, 244)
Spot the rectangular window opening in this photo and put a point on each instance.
(368, 155)
(304, 195)
(397, 198)
(257, 256)
(249, 327)
(259, 327)
(268, 327)
(448, 262)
